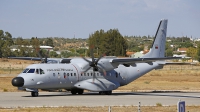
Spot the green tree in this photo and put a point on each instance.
(192, 52)
(198, 51)
(5, 42)
(109, 43)
(168, 50)
(35, 43)
(53, 54)
(49, 42)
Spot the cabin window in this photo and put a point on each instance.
(71, 74)
(74, 74)
(58, 75)
(84, 74)
(37, 71)
(67, 74)
(88, 74)
(91, 74)
(31, 71)
(81, 74)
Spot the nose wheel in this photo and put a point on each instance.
(34, 94)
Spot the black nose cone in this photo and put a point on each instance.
(18, 81)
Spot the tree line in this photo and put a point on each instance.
(110, 43)
(25, 47)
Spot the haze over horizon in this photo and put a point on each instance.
(79, 19)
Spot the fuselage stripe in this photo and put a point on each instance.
(77, 72)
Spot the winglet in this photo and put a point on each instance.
(158, 47)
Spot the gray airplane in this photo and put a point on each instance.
(98, 75)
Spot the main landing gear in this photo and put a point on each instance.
(34, 94)
(105, 92)
(75, 91)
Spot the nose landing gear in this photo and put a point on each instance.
(34, 94)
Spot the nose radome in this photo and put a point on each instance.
(18, 81)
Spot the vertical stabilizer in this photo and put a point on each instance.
(158, 47)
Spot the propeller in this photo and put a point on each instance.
(43, 59)
(94, 64)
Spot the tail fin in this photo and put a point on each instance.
(158, 47)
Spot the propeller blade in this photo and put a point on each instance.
(46, 56)
(41, 58)
(98, 59)
(94, 64)
(86, 60)
(92, 55)
(102, 69)
(93, 76)
(86, 69)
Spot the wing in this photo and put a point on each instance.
(140, 60)
(26, 58)
(49, 60)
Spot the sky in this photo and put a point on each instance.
(80, 18)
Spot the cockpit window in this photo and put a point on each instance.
(52, 61)
(31, 71)
(41, 71)
(25, 70)
(37, 71)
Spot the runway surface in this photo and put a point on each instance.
(54, 99)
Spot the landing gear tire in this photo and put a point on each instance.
(108, 92)
(80, 91)
(73, 92)
(101, 92)
(34, 94)
(105, 92)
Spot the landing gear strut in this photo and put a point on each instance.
(34, 94)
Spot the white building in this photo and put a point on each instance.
(16, 47)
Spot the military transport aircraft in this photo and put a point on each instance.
(98, 75)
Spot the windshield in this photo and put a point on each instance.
(25, 70)
(31, 71)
